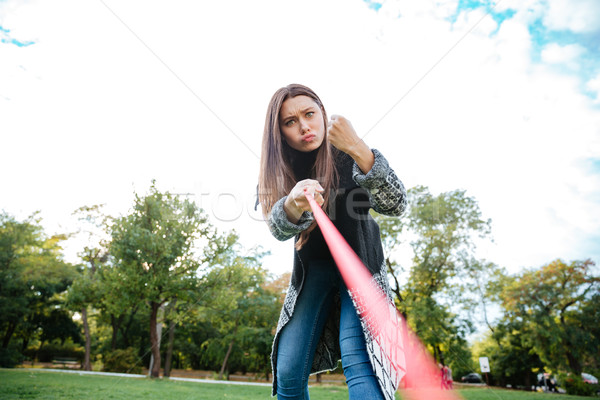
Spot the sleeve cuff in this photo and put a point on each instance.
(282, 223)
(376, 176)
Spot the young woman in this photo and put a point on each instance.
(319, 324)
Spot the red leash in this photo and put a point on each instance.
(410, 363)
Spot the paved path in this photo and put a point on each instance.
(71, 371)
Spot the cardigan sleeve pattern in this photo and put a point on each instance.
(386, 192)
(281, 227)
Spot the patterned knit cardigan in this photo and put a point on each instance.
(379, 189)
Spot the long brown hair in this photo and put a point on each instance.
(276, 178)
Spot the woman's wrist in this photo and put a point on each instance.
(292, 211)
(363, 156)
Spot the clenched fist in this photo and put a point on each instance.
(342, 136)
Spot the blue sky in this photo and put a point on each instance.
(586, 65)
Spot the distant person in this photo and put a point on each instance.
(445, 376)
(547, 382)
(442, 376)
(448, 377)
(303, 151)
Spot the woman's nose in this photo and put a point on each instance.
(304, 126)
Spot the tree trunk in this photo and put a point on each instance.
(169, 356)
(24, 344)
(267, 367)
(226, 359)
(8, 335)
(125, 331)
(574, 363)
(154, 343)
(527, 380)
(440, 355)
(87, 366)
(396, 288)
(36, 353)
(115, 329)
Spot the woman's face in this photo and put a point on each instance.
(301, 123)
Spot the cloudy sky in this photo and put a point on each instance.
(500, 98)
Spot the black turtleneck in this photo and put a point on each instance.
(302, 165)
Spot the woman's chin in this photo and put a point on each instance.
(311, 146)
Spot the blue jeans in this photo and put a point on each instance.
(298, 339)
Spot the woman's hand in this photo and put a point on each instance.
(342, 135)
(296, 202)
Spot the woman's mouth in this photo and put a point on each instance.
(308, 138)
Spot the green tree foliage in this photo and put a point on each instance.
(242, 310)
(589, 319)
(482, 285)
(33, 276)
(84, 292)
(441, 231)
(513, 360)
(154, 255)
(553, 304)
(444, 228)
(18, 242)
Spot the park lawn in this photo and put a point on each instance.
(505, 394)
(47, 385)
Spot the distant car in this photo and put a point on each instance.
(473, 377)
(587, 378)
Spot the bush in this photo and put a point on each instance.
(55, 349)
(576, 386)
(122, 360)
(10, 357)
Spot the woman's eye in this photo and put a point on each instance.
(310, 114)
(290, 122)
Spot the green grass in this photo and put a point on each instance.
(500, 394)
(26, 384)
(47, 385)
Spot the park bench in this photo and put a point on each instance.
(64, 361)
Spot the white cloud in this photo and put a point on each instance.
(93, 114)
(593, 85)
(580, 16)
(568, 55)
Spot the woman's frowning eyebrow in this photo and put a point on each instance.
(303, 111)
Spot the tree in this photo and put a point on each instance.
(154, 250)
(589, 319)
(84, 292)
(511, 355)
(550, 302)
(33, 275)
(482, 286)
(18, 241)
(119, 304)
(243, 312)
(441, 230)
